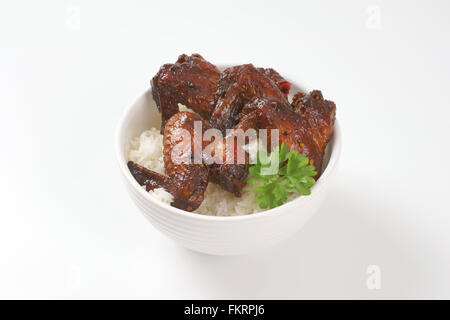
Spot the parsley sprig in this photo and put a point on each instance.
(277, 175)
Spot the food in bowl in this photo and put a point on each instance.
(204, 157)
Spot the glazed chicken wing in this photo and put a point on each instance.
(231, 176)
(185, 180)
(191, 81)
(318, 112)
(306, 126)
(241, 84)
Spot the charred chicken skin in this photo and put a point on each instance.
(191, 81)
(241, 84)
(305, 126)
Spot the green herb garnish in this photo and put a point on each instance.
(277, 175)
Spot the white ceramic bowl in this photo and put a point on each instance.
(211, 234)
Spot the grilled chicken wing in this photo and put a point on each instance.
(319, 113)
(191, 81)
(191, 179)
(231, 176)
(239, 85)
(185, 177)
(185, 180)
(306, 126)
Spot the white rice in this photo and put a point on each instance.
(147, 150)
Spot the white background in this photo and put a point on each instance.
(68, 70)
